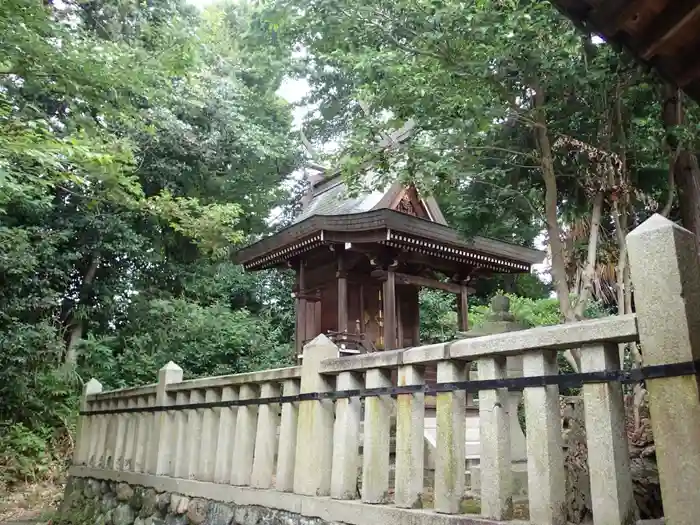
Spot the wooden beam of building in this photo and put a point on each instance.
(669, 24)
(606, 15)
(633, 16)
(416, 280)
(689, 69)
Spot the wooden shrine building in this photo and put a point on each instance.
(360, 262)
(663, 34)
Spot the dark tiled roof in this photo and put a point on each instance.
(385, 219)
(332, 198)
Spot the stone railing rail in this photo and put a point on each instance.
(290, 438)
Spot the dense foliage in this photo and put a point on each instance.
(137, 145)
(141, 142)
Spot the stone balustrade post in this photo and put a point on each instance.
(181, 435)
(410, 448)
(110, 436)
(666, 278)
(226, 433)
(284, 479)
(86, 424)
(266, 439)
(494, 436)
(96, 435)
(377, 439)
(130, 435)
(209, 438)
(346, 439)
(141, 435)
(314, 448)
(244, 440)
(546, 477)
(451, 413)
(612, 493)
(120, 436)
(162, 445)
(193, 434)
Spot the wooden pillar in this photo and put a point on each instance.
(300, 332)
(342, 277)
(463, 307)
(389, 304)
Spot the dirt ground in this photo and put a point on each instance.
(30, 503)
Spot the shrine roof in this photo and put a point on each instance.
(390, 228)
(388, 214)
(663, 34)
(333, 197)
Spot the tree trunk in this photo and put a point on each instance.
(75, 325)
(589, 270)
(550, 204)
(556, 245)
(686, 172)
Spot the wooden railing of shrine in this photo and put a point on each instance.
(316, 439)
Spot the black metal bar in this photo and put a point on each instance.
(472, 387)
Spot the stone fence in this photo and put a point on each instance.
(294, 439)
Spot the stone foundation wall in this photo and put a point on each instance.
(95, 502)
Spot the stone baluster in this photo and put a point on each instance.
(494, 436)
(210, 435)
(664, 265)
(450, 447)
(162, 445)
(244, 441)
(227, 430)
(141, 434)
(194, 433)
(376, 446)
(546, 477)
(110, 436)
(266, 438)
(181, 435)
(130, 435)
(612, 493)
(314, 451)
(86, 424)
(284, 479)
(120, 435)
(346, 439)
(96, 443)
(410, 429)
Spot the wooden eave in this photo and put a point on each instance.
(662, 34)
(390, 228)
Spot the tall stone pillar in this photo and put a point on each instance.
(501, 320)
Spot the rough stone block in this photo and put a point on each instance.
(136, 501)
(124, 492)
(163, 502)
(109, 501)
(197, 511)
(176, 519)
(218, 514)
(123, 515)
(149, 503)
(178, 504)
